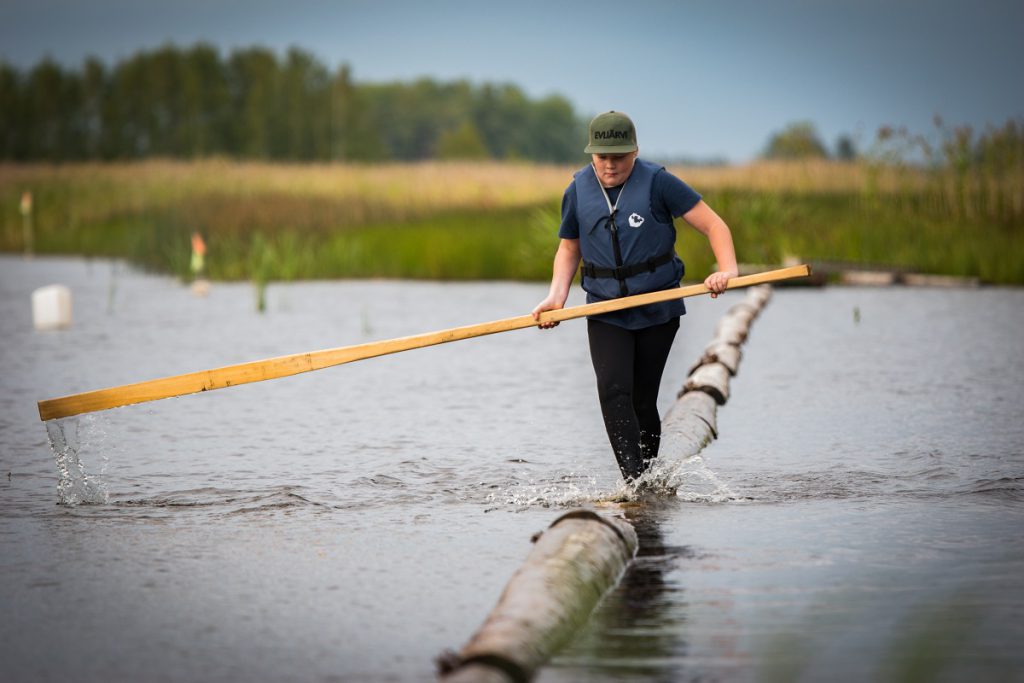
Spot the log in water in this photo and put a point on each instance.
(582, 554)
(719, 352)
(712, 379)
(571, 566)
(328, 514)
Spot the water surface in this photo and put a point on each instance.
(859, 515)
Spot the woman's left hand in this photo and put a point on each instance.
(717, 282)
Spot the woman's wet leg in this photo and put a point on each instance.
(612, 350)
(653, 345)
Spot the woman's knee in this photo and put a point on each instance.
(612, 391)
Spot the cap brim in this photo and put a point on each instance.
(609, 149)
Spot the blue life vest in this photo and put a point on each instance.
(644, 258)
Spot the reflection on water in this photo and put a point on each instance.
(349, 524)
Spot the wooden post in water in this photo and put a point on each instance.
(571, 566)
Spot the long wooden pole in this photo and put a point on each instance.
(284, 366)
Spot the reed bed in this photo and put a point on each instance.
(493, 220)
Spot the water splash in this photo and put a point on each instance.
(689, 479)
(680, 470)
(569, 490)
(74, 486)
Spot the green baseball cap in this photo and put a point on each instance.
(611, 133)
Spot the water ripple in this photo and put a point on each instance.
(225, 501)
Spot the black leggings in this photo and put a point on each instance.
(628, 365)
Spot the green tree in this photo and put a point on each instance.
(354, 133)
(797, 141)
(254, 104)
(463, 142)
(253, 77)
(845, 149)
(12, 123)
(556, 133)
(205, 103)
(304, 100)
(90, 115)
(46, 119)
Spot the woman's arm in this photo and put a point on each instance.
(567, 260)
(703, 218)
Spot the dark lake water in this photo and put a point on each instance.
(859, 517)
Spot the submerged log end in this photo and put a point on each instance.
(482, 671)
(570, 567)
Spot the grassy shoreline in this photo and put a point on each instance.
(492, 220)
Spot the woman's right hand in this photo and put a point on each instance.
(567, 260)
(551, 303)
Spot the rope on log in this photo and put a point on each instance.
(571, 566)
(719, 352)
(731, 330)
(712, 379)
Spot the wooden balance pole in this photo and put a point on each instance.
(284, 366)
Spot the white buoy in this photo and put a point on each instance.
(51, 307)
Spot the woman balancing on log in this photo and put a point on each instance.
(617, 218)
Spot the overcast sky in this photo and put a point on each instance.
(700, 78)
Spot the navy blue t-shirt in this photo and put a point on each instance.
(670, 198)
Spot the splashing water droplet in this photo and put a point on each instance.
(688, 478)
(74, 485)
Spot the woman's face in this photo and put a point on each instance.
(613, 169)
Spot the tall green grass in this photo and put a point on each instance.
(493, 221)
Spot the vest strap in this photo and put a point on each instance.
(623, 272)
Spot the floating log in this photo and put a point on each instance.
(689, 425)
(717, 351)
(745, 311)
(867, 278)
(945, 281)
(758, 296)
(573, 564)
(712, 379)
(730, 330)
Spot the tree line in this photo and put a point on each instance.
(253, 104)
